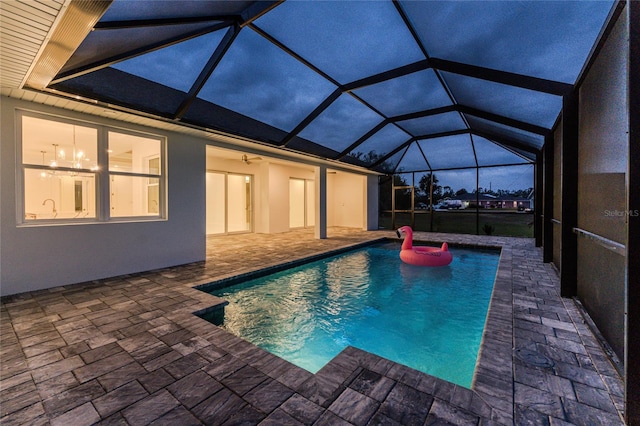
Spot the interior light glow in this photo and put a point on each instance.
(54, 163)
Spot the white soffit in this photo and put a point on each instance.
(25, 26)
(38, 37)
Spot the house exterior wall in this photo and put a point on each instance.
(270, 189)
(41, 256)
(602, 193)
(345, 195)
(277, 206)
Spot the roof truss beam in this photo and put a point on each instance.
(507, 142)
(503, 77)
(362, 138)
(426, 113)
(309, 118)
(528, 127)
(387, 75)
(282, 46)
(144, 23)
(213, 62)
(256, 10)
(98, 65)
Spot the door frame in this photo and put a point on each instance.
(226, 202)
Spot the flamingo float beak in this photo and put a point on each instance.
(398, 233)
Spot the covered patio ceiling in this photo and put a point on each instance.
(388, 85)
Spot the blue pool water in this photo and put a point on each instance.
(430, 319)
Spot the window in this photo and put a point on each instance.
(59, 168)
(134, 175)
(66, 165)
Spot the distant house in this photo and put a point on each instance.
(488, 201)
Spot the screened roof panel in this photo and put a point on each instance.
(448, 152)
(413, 92)
(128, 10)
(526, 154)
(102, 45)
(380, 143)
(348, 40)
(549, 40)
(115, 86)
(389, 165)
(456, 179)
(341, 124)
(413, 159)
(512, 102)
(212, 116)
(431, 124)
(176, 66)
(510, 177)
(258, 79)
(507, 132)
(489, 154)
(304, 145)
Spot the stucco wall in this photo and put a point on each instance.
(42, 256)
(602, 193)
(278, 193)
(345, 198)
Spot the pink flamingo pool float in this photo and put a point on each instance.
(421, 255)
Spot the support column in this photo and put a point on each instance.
(371, 202)
(477, 199)
(547, 237)
(632, 352)
(569, 253)
(537, 199)
(321, 202)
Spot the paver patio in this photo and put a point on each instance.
(129, 350)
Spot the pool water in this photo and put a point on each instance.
(430, 319)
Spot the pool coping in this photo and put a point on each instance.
(491, 394)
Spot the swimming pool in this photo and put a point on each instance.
(430, 319)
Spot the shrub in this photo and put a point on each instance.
(488, 229)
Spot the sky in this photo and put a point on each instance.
(329, 43)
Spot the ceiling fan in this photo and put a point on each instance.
(247, 160)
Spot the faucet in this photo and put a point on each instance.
(55, 212)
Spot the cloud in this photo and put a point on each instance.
(547, 39)
(348, 40)
(257, 79)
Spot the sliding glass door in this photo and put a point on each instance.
(229, 208)
(301, 203)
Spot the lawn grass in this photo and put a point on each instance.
(504, 223)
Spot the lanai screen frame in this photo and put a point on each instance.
(246, 16)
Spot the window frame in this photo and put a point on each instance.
(101, 175)
(161, 176)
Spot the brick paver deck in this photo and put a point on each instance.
(128, 350)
